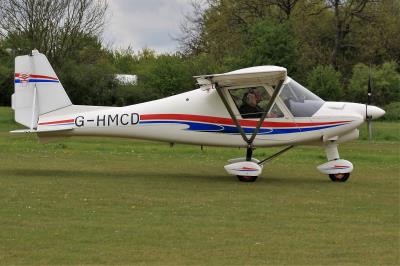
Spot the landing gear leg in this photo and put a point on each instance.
(248, 178)
(249, 153)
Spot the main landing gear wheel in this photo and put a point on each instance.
(243, 178)
(339, 177)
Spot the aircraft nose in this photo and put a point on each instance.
(375, 112)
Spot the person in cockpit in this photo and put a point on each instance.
(250, 108)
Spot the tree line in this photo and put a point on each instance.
(330, 46)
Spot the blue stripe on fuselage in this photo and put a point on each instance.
(37, 81)
(205, 127)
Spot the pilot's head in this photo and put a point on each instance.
(250, 99)
(257, 93)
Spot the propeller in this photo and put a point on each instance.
(368, 118)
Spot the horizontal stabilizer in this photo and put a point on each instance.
(27, 130)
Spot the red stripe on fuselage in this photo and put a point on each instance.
(228, 121)
(57, 122)
(215, 120)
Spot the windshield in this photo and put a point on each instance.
(300, 101)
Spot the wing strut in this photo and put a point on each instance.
(250, 140)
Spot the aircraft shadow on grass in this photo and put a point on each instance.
(85, 173)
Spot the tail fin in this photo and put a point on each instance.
(37, 89)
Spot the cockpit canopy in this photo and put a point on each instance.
(252, 101)
(300, 101)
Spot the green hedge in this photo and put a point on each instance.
(392, 111)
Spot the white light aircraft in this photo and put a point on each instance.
(254, 107)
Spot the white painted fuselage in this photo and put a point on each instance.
(199, 117)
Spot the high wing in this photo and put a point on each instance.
(270, 75)
(273, 76)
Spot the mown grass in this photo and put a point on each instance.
(117, 201)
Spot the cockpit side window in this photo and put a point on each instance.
(300, 101)
(252, 101)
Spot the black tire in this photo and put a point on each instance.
(243, 178)
(339, 177)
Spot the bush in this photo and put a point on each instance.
(89, 84)
(325, 82)
(165, 74)
(6, 84)
(6, 76)
(392, 111)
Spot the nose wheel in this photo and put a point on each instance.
(337, 169)
(342, 177)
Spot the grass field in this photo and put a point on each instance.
(117, 201)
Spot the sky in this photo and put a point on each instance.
(146, 23)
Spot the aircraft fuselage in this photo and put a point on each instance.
(199, 117)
